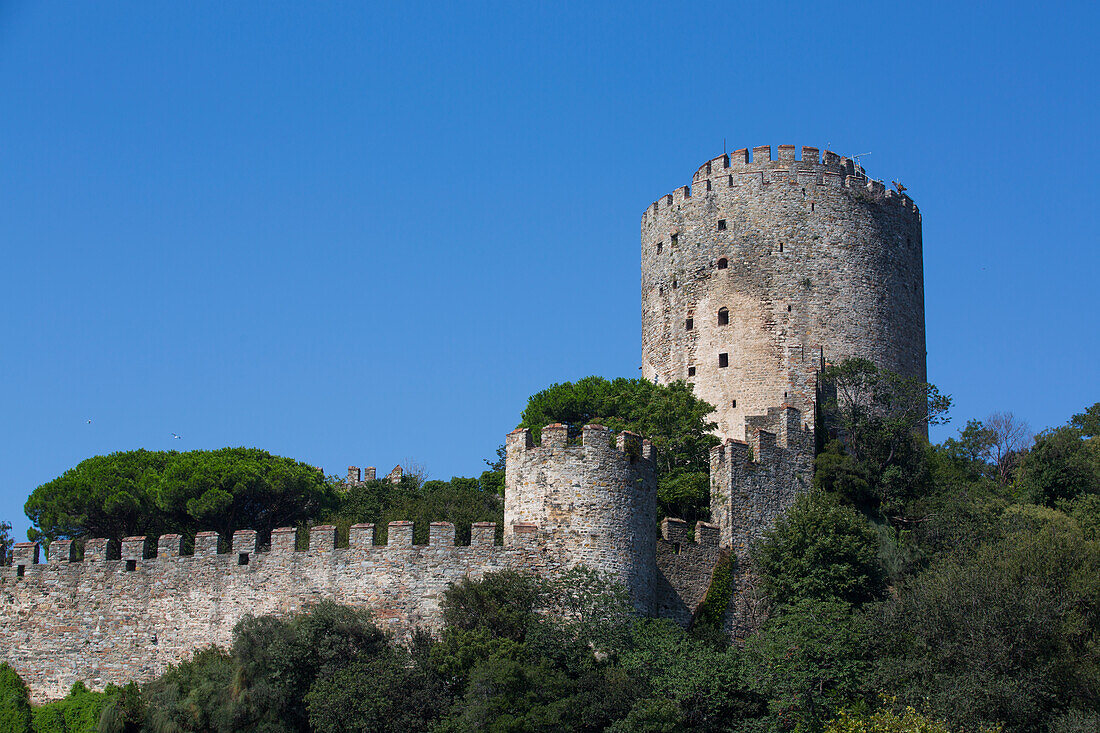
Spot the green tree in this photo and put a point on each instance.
(882, 418)
(839, 473)
(1088, 422)
(1007, 632)
(504, 604)
(698, 685)
(668, 415)
(390, 691)
(78, 712)
(809, 661)
(152, 492)
(15, 706)
(461, 501)
(1062, 464)
(280, 659)
(820, 550)
(195, 696)
(888, 720)
(6, 543)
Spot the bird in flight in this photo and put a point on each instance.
(89, 422)
(177, 437)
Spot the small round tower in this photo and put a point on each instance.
(761, 264)
(593, 504)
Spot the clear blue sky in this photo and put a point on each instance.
(356, 233)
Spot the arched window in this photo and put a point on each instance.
(723, 317)
(723, 263)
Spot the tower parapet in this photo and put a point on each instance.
(593, 504)
(765, 260)
(753, 482)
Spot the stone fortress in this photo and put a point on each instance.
(751, 276)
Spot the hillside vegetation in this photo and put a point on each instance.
(917, 588)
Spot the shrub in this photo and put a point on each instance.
(15, 707)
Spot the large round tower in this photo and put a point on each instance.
(759, 264)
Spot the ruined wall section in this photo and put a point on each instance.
(685, 568)
(593, 504)
(803, 254)
(115, 620)
(752, 483)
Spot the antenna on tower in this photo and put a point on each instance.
(723, 146)
(855, 158)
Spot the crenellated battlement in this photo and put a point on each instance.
(594, 503)
(754, 481)
(169, 547)
(759, 168)
(685, 566)
(596, 440)
(358, 477)
(126, 610)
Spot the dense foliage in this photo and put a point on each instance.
(668, 415)
(15, 706)
(919, 588)
(461, 501)
(154, 492)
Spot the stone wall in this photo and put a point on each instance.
(685, 568)
(752, 483)
(593, 503)
(125, 612)
(773, 261)
(102, 621)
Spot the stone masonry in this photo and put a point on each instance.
(761, 264)
(126, 612)
(748, 277)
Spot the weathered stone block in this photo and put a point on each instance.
(399, 534)
(483, 534)
(244, 541)
(135, 548)
(170, 545)
(206, 544)
(283, 539)
(62, 551)
(322, 538)
(361, 536)
(441, 534)
(100, 549)
(674, 530)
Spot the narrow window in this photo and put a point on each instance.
(660, 246)
(689, 324)
(242, 558)
(675, 239)
(131, 566)
(660, 290)
(723, 360)
(734, 403)
(19, 570)
(675, 284)
(691, 371)
(731, 179)
(721, 225)
(723, 263)
(708, 182)
(708, 167)
(811, 207)
(803, 192)
(780, 246)
(723, 317)
(788, 309)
